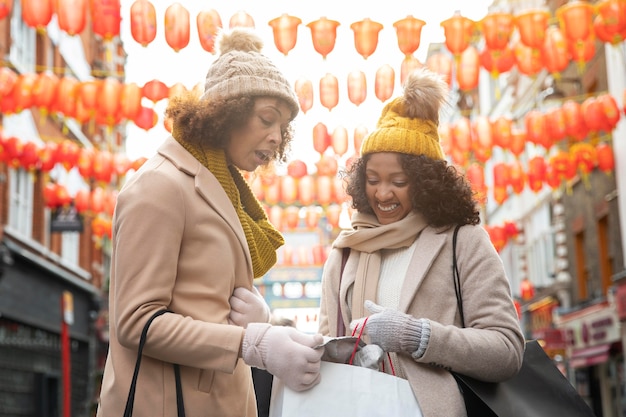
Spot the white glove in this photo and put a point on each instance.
(285, 352)
(394, 331)
(369, 356)
(248, 307)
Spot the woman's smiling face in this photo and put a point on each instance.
(387, 187)
(256, 142)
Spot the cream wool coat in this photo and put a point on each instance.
(490, 348)
(178, 244)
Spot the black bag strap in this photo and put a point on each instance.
(341, 326)
(456, 276)
(128, 411)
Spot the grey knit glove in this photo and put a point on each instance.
(285, 352)
(394, 331)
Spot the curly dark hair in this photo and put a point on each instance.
(438, 190)
(210, 122)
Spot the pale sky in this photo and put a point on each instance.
(189, 65)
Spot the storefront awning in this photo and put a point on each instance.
(590, 356)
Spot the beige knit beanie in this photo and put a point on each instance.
(241, 70)
(409, 123)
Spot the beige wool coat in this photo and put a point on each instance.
(489, 348)
(177, 244)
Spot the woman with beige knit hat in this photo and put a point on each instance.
(398, 271)
(189, 237)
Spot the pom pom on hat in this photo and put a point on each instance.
(409, 123)
(241, 70)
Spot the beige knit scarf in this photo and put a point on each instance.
(263, 238)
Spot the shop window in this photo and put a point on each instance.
(24, 43)
(21, 202)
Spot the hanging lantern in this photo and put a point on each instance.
(518, 141)
(339, 190)
(574, 120)
(321, 138)
(146, 119)
(106, 18)
(366, 36)
(50, 195)
(497, 29)
(468, 69)
(23, 91)
(606, 158)
(311, 219)
(610, 110)
(517, 178)
(81, 200)
(324, 34)
(531, 26)
(593, 115)
(5, 8)
(84, 164)
(384, 82)
(497, 62)
(109, 92)
(28, 158)
(285, 29)
(241, 19)
(584, 157)
(333, 212)
(339, 141)
(441, 63)
(409, 32)
(68, 152)
(47, 155)
(527, 290)
(555, 124)
(44, 90)
(306, 190)
(304, 91)
(462, 135)
(291, 216)
(176, 26)
(537, 169)
(610, 23)
(143, 25)
(409, 64)
(130, 101)
(501, 174)
(500, 195)
(554, 51)
(529, 61)
(323, 185)
(502, 132)
(103, 166)
(360, 132)
(576, 20)
(327, 165)
(8, 78)
(297, 169)
(562, 166)
(87, 96)
(475, 174)
(582, 52)
(458, 31)
(288, 189)
(208, 23)
(357, 87)
(482, 134)
(155, 91)
(536, 128)
(66, 96)
(329, 91)
(71, 15)
(37, 13)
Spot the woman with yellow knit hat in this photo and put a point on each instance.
(398, 271)
(189, 237)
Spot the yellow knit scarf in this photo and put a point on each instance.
(263, 238)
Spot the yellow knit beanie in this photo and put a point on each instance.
(408, 124)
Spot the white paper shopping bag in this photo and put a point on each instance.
(347, 391)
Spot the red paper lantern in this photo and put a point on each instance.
(606, 158)
(106, 18)
(50, 195)
(306, 190)
(593, 115)
(409, 31)
(297, 169)
(321, 138)
(497, 29)
(529, 61)
(241, 19)
(554, 51)
(537, 170)
(44, 90)
(518, 141)
(468, 69)
(87, 95)
(462, 135)
(29, 157)
(130, 101)
(475, 174)
(384, 82)
(441, 63)
(497, 62)
(357, 87)
(517, 177)
(304, 91)
(409, 64)
(327, 165)
(610, 23)
(583, 51)
(8, 78)
(366, 36)
(329, 91)
(324, 187)
(208, 23)
(531, 26)
(501, 174)
(574, 120)
(458, 31)
(360, 132)
(68, 152)
(81, 200)
(109, 93)
(146, 119)
(483, 135)
(291, 216)
(47, 155)
(610, 110)
(324, 34)
(176, 26)
(339, 140)
(71, 15)
(333, 212)
(576, 20)
(85, 162)
(501, 130)
(23, 91)
(37, 13)
(5, 8)
(555, 124)
(562, 166)
(527, 290)
(155, 90)
(288, 189)
(584, 157)
(536, 128)
(103, 168)
(143, 24)
(285, 29)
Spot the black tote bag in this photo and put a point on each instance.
(538, 390)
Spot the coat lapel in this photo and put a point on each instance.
(429, 244)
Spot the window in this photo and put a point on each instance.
(70, 247)
(24, 41)
(21, 202)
